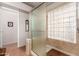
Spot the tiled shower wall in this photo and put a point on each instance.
(62, 23)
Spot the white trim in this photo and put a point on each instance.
(1, 30)
(18, 30)
(18, 5)
(1, 40)
(52, 47)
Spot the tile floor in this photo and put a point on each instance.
(13, 50)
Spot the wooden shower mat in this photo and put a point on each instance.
(54, 52)
(2, 51)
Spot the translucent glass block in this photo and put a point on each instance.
(61, 35)
(49, 36)
(66, 19)
(57, 35)
(67, 24)
(66, 36)
(70, 37)
(73, 21)
(60, 29)
(63, 22)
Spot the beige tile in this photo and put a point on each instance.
(13, 50)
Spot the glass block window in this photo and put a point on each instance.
(62, 23)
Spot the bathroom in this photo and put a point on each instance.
(44, 28)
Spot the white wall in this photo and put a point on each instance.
(9, 34)
(17, 32)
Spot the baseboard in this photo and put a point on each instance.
(10, 44)
(61, 50)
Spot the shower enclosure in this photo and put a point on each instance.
(52, 29)
(38, 30)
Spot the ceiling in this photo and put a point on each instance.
(33, 4)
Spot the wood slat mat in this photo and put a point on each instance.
(2, 51)
(54, 52)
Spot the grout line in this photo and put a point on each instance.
(33, 54)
